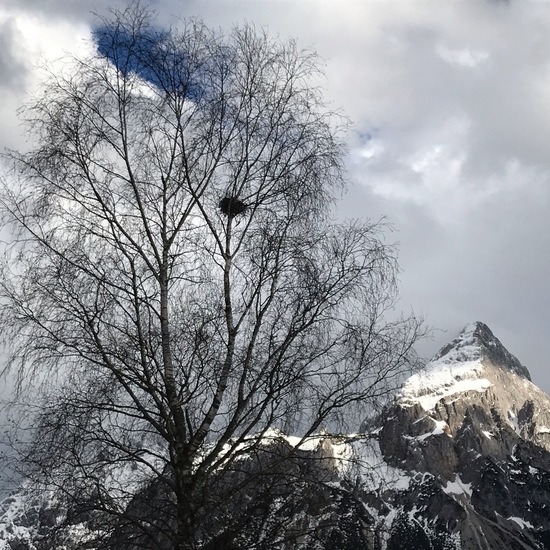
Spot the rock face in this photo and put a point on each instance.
(473, 434)
(460, 459)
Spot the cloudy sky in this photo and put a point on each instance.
(451, 140)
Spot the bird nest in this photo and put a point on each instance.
(232, 206)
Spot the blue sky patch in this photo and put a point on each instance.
(150, 54)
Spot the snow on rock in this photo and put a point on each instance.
(441, 427)
(376, 473)
(521, 522)
(333, 447)
(513, 421)
(12, 509)
(457, 487)
(440, 379)
(458, 368)
(466, 347)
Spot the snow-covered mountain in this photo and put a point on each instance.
(473, 432)
(460, 459)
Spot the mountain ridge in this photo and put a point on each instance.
(458, 460)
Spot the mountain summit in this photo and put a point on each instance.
(476, 366)
(477, 342)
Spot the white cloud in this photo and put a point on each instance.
(463, 57)
(38, 43)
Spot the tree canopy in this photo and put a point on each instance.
(176, 285)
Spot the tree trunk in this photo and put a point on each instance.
(186, 517)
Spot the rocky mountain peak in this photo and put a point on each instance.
(477, 342)
(473, 433)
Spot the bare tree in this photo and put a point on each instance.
(175, 285)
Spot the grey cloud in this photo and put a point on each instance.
(12, 68)
(455, 97)
(66, 9)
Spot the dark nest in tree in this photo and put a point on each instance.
(232, 206)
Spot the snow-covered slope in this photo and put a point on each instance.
(476, 368)
(458, 368)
